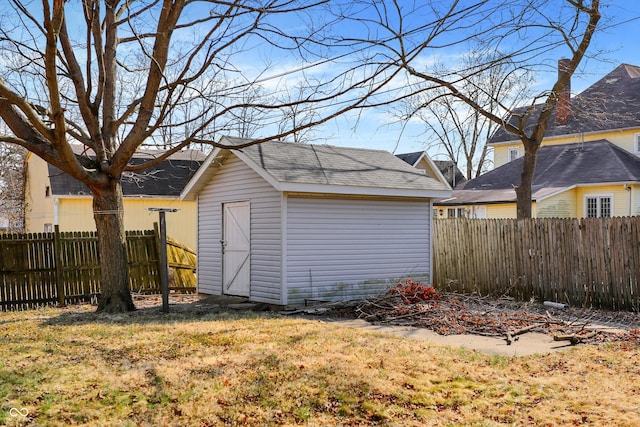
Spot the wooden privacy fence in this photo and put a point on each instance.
(63, 267)
(591, 262)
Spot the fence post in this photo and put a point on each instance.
(164, 273)
(164, 263)
(57, 250)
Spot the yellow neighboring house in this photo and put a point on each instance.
(54, 198)
(588, 164)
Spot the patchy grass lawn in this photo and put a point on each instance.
(73, 367)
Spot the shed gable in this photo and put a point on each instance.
(235, 182)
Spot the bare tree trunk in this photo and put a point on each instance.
(108, 211)
(481, 161)
(523, 191)
(469, 171)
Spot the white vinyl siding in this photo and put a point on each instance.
(354, 248)
(236, 182)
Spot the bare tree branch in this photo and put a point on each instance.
(522, 34)
(169, 73)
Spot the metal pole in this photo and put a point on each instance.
(164, 263)
(164, 274)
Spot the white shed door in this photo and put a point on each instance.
(236, 248)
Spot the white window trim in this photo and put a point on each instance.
(636, 144)
(515, 150)
(457, 210)
(598, 196)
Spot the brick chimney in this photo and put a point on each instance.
(563, 109)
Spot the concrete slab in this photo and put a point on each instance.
(221, 300)
(243, 306)
(527, 344)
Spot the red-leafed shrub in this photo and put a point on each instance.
(412, 292)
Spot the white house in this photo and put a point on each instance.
(284, 223)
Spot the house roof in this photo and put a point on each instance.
(166, 179)
(613, 102)
(411, 158)
(558, 167)
(448, 169)
(324, 169)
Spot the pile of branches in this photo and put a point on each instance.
(414, 304)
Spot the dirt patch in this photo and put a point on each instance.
(148, 301)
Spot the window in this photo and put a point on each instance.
(456, 213)
(636, 144)
(514, 153)
(598, 206)
(479, 212)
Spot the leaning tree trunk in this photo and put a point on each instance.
(108, 212)
(524, 190)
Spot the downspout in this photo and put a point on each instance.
(628, 188)
(55, 211)
(431, 281)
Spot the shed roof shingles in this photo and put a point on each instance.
(338, 166)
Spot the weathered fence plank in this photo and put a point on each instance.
(63, 267)
(591, 262)
(182, 261)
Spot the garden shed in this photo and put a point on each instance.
(285, 223)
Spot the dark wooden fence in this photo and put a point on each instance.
(59, 268)
(592, 262)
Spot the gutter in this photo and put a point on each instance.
(551, 138)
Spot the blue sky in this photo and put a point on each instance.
(617, 42)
